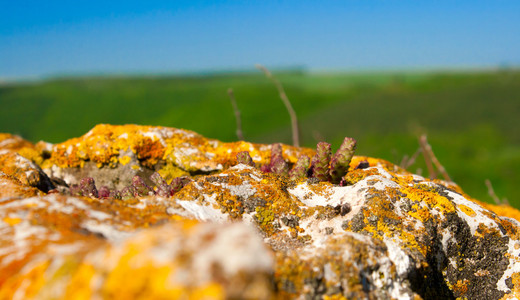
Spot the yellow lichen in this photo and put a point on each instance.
(467, 210)
(357, 175)
(79, 285)
(103, 142)
(103, 146)
(124, 160)
(209, 291)
(334, 297)
(12, 221)
(170, 171)
(147, 281)
(420, 213)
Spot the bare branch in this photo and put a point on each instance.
(240, 135)
(283, 96)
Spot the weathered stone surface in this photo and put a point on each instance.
(29, 173)
(12, 188)
(64, 247)
(382, 234)
(13, 142)
(112, 155)
(436, 242)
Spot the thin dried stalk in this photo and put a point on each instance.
(430, 158)
(427, 158)
(240, 135)
(408, 162)
(286, 102)
(494, 196)
(491, 192)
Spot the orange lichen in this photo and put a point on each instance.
(148, 151)
(14, 188)
(511, 229)
(516, 287)
(390, 213)
(501, 210)
(29, 282)
(11, 163)
(14, 142)
(461, 287)
(104, 143)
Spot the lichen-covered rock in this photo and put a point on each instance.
(29, 173)
(383, 233)
(113, 155)
(346, 265)
(437, 242)
(24, 148)
(12, 188)
(13, 142)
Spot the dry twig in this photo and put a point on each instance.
(286, 102)
(407, 162)
(494, 196)
(240, 135)
(427, 158)
(431, 159)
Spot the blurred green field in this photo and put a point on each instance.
(471, 118)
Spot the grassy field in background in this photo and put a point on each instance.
(471, 118)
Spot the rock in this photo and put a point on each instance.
(13, 142)
(24, 148)
(91, 254)
(29, 173)
(12, 188)
(113, 155)
(20, 158)
(234, 231)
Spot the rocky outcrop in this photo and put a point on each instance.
(240, 230)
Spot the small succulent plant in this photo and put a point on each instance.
(244, 158)
(323, 167)
(341, 160)
(88, 187)
(300, 168)
(320, 162)
(138, 188)
(278, 165)
(141, 188)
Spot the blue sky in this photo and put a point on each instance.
(47, 38)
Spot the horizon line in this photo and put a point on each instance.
(235, 71)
